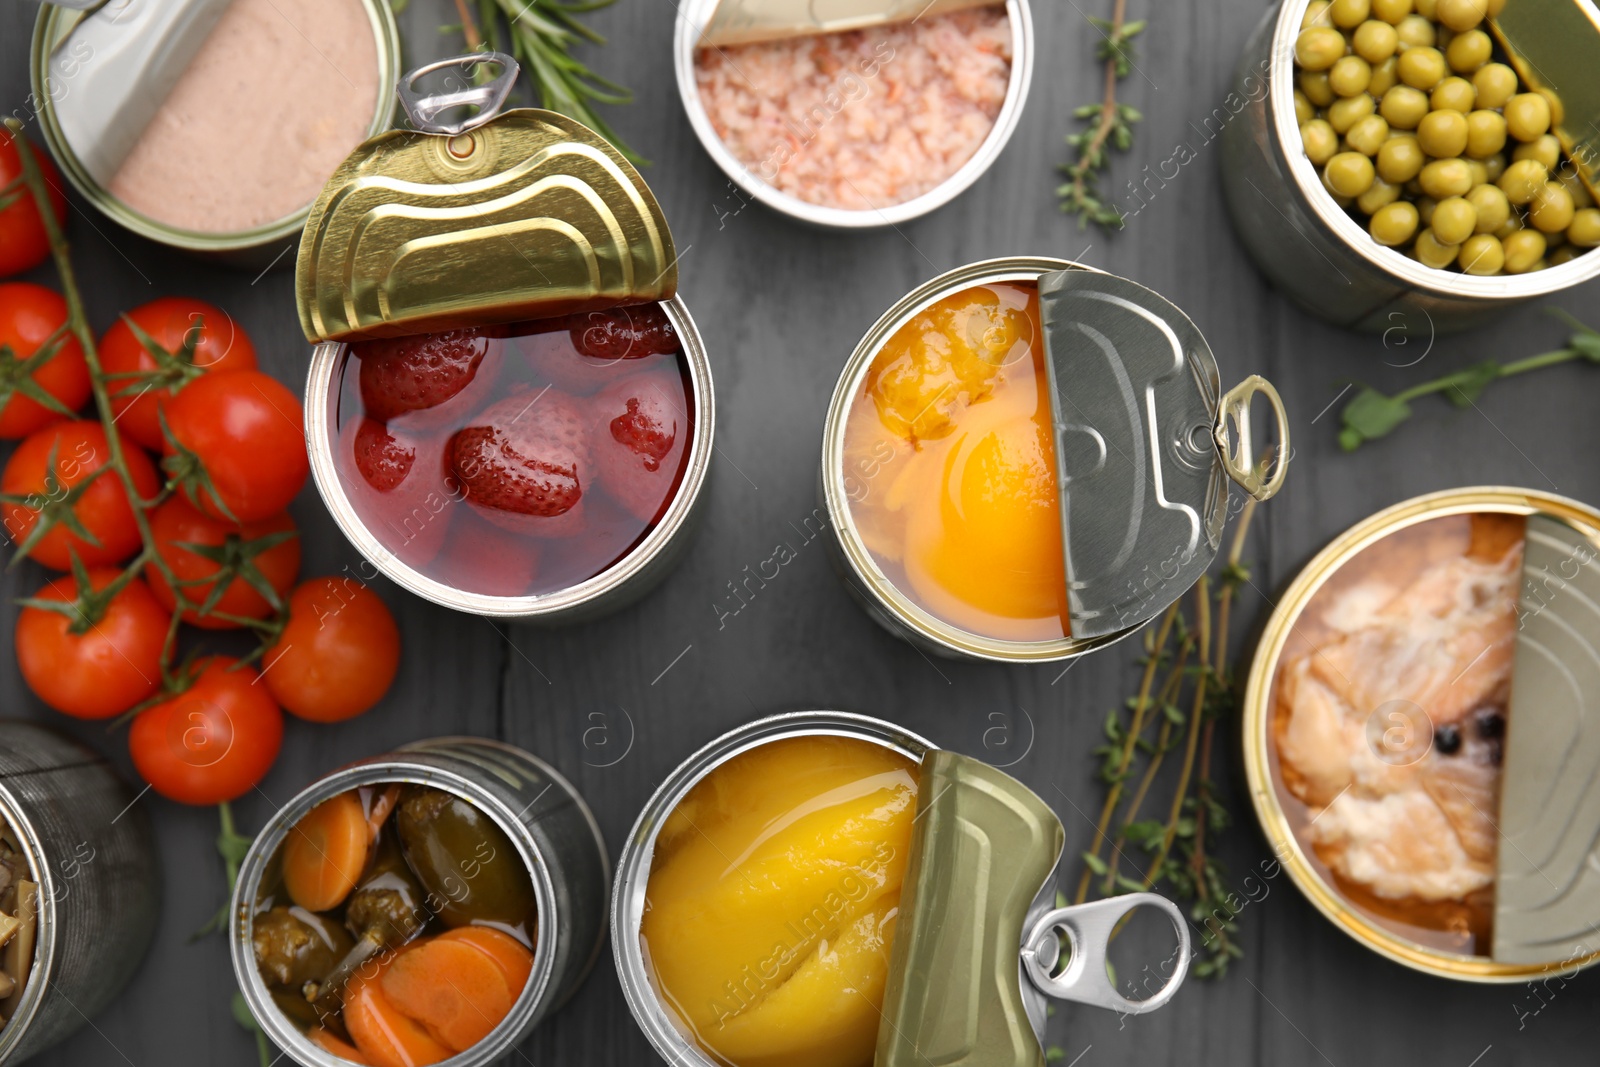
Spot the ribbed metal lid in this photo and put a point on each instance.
(1144, 446)
(497, 218)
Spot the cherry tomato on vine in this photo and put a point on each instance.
(24, 244)
(29, 315)
(193, 337)
(212, 742)
(243, 558)
(245, 430)
(338, 654)
(66, 497)
(110, 666)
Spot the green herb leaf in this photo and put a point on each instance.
(1371, 415)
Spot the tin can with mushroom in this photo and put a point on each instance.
(509, 408)
(467, 830)
(1026, 459)
(824, 887)
(1321, 255)
(87, 896)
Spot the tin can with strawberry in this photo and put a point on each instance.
(509, 409)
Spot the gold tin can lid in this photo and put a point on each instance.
(1554, 45)
(977, 900)
(495, 218)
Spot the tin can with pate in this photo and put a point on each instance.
(499, 219)
(92, 856)
(1139, 435)
(697, 17)
(1494, 779)
(1282, 212)
(117, 88)
(977, 951)
(538, 810)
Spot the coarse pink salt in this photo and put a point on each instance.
(864, 119)
(278, 95)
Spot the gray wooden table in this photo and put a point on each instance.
(615, 705)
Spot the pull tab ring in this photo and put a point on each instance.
(1088, 928)
(1237, 452)
(424, 110)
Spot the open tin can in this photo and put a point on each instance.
(101, 77)
(1282, 211)
(715, 24)
(1116, 446)
(94, 889)
(550, 829)
(977, 945)
(1419, 733)
(503, 236)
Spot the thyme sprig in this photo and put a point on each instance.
(1186, 687)
(1113, 125)
(1370, 414)
(540, 34)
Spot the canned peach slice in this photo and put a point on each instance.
(772, 901)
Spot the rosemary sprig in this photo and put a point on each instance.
(1370, 414)
(1186, 686)
(1113, 125)
(540, 34)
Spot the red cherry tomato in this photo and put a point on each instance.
(338, 654)
(247, 432)
(109, 667)
(220, 344)
(102, 508)
(212, 742)
(24, 244)
(177, 523)
(29, 315)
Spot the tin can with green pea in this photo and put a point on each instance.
(1417, 176)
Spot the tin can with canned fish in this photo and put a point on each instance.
(815, 852)
(1419, 737)
(124, 94)
(457, 857)
(80, 887)
(1025, 460)
(509, 409)
(847, 71)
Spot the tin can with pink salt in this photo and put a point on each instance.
(141, 104)
(838, 155)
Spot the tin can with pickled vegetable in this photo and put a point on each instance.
(119, 92)
(509, 409)
(1026, 459)
(1321, 255)
(809, 852)
(1430, 676)
(713, 31)
(539, 834)
(86, 898)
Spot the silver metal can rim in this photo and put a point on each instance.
(15, 1029)
(633, 868)
(393, 768)
(908, 613)
(322, 398)
(1409, 272)
(46, 34)
(690, 23)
